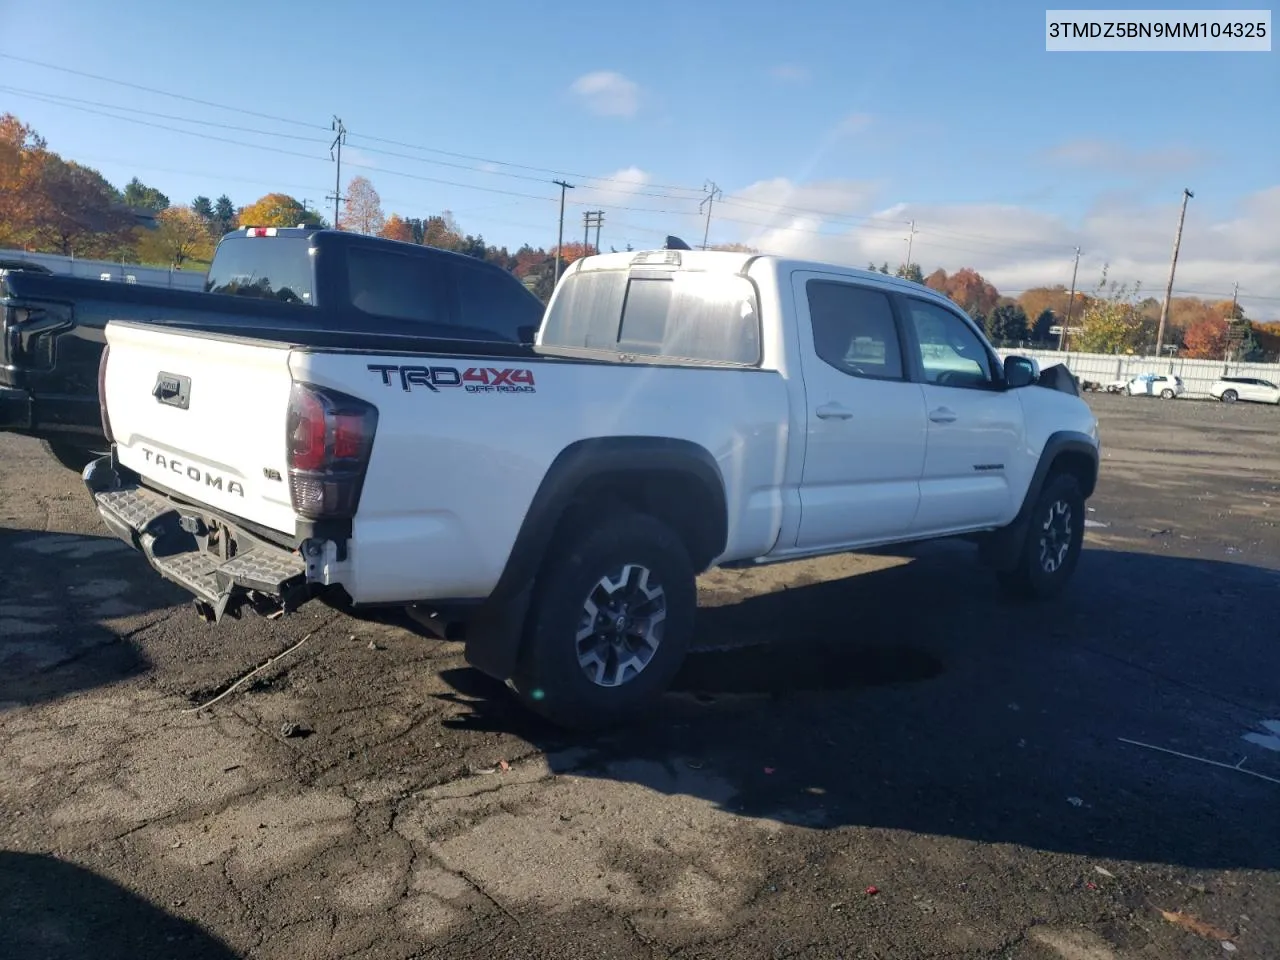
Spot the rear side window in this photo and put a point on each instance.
(495, 302)
(270, 268)
(854, 330)
(398, 286)
(682, 315)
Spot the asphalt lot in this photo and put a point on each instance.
(874, 756)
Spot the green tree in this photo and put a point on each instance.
(203, 208)
(1040, 329)
(224, 216)
(138, 194)
(910, 271)
(1006, 322)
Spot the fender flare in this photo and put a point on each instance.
(495, 630)
(1002, 547)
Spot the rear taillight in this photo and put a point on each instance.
(102, 394)
(330, 438)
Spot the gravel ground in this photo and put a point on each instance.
(879, 758)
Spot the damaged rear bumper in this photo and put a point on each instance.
(221, 565)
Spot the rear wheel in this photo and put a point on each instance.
(1230, 396)
(71, 455)
(1166, 394)
(610, 624)
(1054, 540)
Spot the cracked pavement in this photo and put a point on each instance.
(861, 723)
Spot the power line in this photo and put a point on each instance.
(157, 91)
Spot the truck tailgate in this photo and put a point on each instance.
(203, 417)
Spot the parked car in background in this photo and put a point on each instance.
(1165, 386)
(1231, 389)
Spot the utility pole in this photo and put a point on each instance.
(713, 192)
(591, 218)
(1231, 323)
(1235, 299)
(335, 153)
(1173, 264)
(1071, 302)
(560, 240)
(910, 237)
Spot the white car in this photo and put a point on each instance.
(680, 410)
(1231, 389)
(1165, 386)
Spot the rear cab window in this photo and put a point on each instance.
(678, 315)
(265, 268)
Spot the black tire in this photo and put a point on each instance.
(550, 678)
(1167, 394)
(1032, 578)
(73, 456)
(1230, 396)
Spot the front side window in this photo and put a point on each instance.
(854, 329)
(951, 354)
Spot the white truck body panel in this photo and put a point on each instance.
(217, 450)
(813, 459)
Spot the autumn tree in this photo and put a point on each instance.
(362, 212)
(1205, 339)
(180, 234)
(733, 248)
(80, 213)
(22, 199)
(1112, 321)
(396, 228)
(442, 232)
(137, 194)
(574, 251)
(277, 210)
(971, 292)
(937, 280)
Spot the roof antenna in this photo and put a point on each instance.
(675, 243)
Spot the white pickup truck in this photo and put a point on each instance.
(553, 504)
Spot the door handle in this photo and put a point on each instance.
(942, 415)
(833, 411)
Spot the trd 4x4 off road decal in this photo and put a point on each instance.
(472, 379)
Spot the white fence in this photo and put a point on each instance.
(109, 270)
(1197, 375)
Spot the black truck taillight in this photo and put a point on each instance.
(102, 394)
(329, 437)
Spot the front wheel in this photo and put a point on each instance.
(1230, 396)
(1054, 541)
(611, 622)
(1166, 394)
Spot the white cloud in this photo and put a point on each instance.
(1017, 247)
(607, 93)
(791, 73)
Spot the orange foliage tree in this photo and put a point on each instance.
(277, 210)
(362, 213)
(1206, 339)
(397, 228)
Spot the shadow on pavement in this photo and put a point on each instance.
(914, 698)
(54, 910)
(58, 593)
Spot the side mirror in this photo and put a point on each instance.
(1020, 372)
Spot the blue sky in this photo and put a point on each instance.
(828, 126)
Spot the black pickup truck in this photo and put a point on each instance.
(273, 282)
